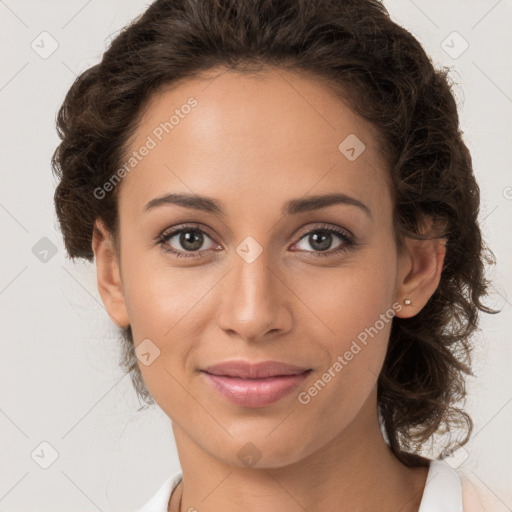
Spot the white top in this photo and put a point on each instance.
(442, 493)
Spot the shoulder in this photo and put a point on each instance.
(457, 490)
(477, 497)
(474, 494)
(443, 489)
(160, 500)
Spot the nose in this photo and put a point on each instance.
(255, 303)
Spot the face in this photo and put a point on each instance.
(268, 274)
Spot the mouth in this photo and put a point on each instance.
(247, 370)
(255, 385)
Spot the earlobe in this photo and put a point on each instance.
(419, 274)
(110, 284)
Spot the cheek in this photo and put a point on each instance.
(157, 301)
(157, 296)
(162, 310)
(344, 302)
(350, 318)
(351, 362)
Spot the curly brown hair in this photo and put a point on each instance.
(382, 72)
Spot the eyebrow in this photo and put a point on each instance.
(292, 207)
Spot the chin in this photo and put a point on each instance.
(260, 452)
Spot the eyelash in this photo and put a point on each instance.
(348, 240)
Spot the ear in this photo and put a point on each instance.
(419, 274)
(108, 272)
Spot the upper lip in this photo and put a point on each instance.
(246, 370)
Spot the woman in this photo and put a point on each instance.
(283, 215)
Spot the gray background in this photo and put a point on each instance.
(60, 381)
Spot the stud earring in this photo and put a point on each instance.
(407, 302)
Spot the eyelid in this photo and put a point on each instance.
(327, 227)
(182, 226)
(307, 229)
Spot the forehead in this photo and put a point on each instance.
(257, 138)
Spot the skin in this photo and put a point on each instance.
(254, 142)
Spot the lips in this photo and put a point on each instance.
(246, 370)
(254, 385)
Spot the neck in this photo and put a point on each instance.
(355, 471)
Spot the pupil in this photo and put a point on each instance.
(325, 240)
(194, 238)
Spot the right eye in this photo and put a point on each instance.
(190, 238)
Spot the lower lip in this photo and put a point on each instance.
(255, 392)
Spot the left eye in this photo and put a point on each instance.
(321, 240)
